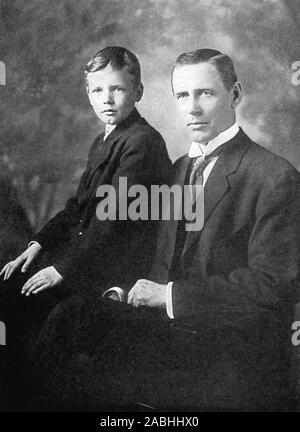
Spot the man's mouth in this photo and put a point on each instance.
(109, 111)
(197, 123)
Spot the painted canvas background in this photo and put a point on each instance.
(47, 124)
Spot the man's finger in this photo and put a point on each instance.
(130, 295)
(34, 286)
(41, 288)
(31, 281)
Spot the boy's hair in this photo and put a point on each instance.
(118, 58)
(222, 63)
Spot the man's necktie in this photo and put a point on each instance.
(196, 177)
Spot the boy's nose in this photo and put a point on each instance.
(107, 97)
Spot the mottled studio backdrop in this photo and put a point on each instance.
(47, 124)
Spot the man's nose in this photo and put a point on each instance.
(194, 106)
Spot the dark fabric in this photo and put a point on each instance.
(238, 271)
(15, 230)
(229, 345)
(23, 317)
(89, 252)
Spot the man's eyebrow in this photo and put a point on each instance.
(117, 85)
(201, 90)
(181, 92)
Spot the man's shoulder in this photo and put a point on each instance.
(265, 162)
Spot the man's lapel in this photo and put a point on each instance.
(170, 228)
(218, 182)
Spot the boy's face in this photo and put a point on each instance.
(112, 94)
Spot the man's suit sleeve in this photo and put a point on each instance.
(273, 258)
(144, 161)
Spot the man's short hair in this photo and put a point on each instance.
(118, 58)
(222, 63)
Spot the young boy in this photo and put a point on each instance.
(84, 249)
(77, 251)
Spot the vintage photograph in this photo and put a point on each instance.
(149, 206)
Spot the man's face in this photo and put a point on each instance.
(206, 106)
(112, 94)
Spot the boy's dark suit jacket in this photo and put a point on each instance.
(91, 252)
(233, 279)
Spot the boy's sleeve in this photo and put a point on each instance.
(57, 229)
(144, 161)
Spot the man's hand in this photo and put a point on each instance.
(25, 258)
(147, 293)
(42, 280)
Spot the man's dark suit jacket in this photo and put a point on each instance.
(234, 278)
(88, 252)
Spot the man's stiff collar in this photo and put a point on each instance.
(198, 149)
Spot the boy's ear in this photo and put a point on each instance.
(88, 93)
(139, 92)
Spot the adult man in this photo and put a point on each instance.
(232, 281)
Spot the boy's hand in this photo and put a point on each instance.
(44, 279)
(25, 258)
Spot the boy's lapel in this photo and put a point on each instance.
(105, 148)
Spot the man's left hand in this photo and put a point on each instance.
(147, 293)
(42, 280)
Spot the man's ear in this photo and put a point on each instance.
(139, 92)
(237, 94)
(88, 93)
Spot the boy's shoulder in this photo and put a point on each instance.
(136, 129)
(135, 123)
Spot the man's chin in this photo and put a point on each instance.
(200, 137)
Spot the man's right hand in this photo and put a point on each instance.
(24, 260)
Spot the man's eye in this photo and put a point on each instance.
(97, 90)
(181, 95)
(119, 89)
(207, 93)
